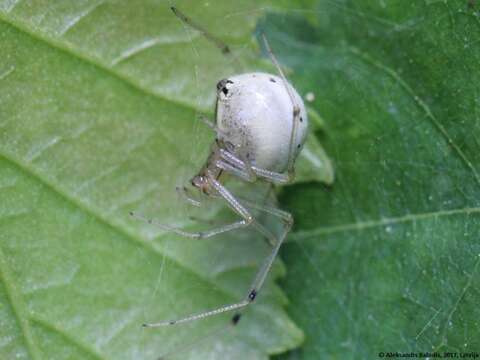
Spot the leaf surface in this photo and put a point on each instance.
(98, 111)
(387, 258)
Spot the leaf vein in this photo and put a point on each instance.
(302, 235)
(66, 337)
(6, 73)
(135, 50)
(364, 56)
(18, 307)
(428, 324)
(119, 228)
(455, 305)
(12, 5)
(76, 19)
(96, 62)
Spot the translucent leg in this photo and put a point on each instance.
(296, 113)
(193, 235)
(276, 178)
(219, 43)
(183, 192)
(238, 168)
(204, 221)
(262, 273)
(283, 215)
(240, 173)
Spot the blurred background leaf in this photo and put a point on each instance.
(387, 259)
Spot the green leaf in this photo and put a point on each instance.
(98, 111)
(313, 164)
(387, 258)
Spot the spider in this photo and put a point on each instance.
(261, 125)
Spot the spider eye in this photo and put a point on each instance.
(221, 84)
(223, 88)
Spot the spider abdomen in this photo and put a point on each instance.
(255, 113)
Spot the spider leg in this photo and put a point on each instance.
(220, 44)
(238, 167)
(234, 170)
(281, 214)
(204, 221)
(193, 235)
(247, 162)
(265, 268)
(263, 271)
(296, 113)
(251, 205)
(272, 176)
(184, 194)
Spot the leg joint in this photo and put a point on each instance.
(290, 175)
(289, 219)
(252, 295)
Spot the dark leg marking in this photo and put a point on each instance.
(236, 318)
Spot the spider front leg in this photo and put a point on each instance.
(193, 235)
(183, 192)
(184, 195)
(263, 271)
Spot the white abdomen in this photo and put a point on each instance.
(255, 113)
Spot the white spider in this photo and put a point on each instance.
(261, 126)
